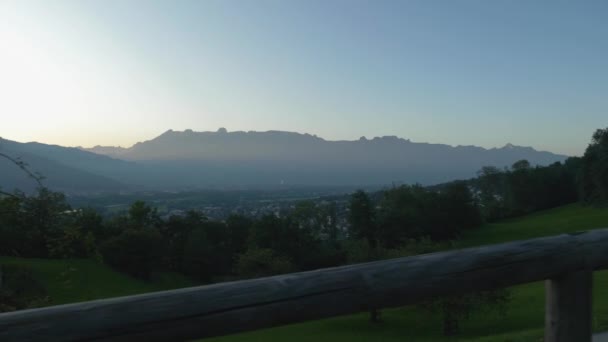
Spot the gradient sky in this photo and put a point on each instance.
(484, 73)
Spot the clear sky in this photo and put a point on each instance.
(114, 72)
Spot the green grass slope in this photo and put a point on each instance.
(79, 280)
(566, 219)
(525, 314)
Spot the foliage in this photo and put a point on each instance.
(143, 216)
(20, 290)
(362, 217)
(396, 222)
(491, 190)
(358, 251)
(29, 222)
(24, 167)
(594, 173)
(136, 252)
(454, 309)
(413, 212)
(260, 262)
(238, 227)
(76, 280)
(203, 255)
(70, 243)
(288, 238)
(524, 320)
(379, 224)
(176, 232)
(525, 310)
(524, 189)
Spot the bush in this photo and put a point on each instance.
(71, 243)
(260, 262)
(20, 290)
(454, 309)
(136, 252)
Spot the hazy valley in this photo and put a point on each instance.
(188, 160)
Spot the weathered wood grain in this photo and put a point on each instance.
(266, 302)
(568, 307)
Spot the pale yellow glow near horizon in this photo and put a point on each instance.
(34, 84)
(119, 72)
(56, 88)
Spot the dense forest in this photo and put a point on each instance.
(398, 221)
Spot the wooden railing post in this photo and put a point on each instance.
(568, 307)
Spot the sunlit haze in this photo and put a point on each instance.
(480, 73)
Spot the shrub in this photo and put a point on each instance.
(20, 290)
(136, 252)
(260, 262)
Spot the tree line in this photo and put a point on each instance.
(399, 221)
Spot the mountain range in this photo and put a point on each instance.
(187, 160)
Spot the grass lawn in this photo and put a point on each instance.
(566, 219)
(525, 314)
(80, 280)
(77, 280)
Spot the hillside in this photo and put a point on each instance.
(525, 312)
(76, 280)
(291, 146)
(66, 169)
(74, 175)
(277, 157)
(190, 160)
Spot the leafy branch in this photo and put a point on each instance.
(25, 168)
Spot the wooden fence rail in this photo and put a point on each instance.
(566, 260)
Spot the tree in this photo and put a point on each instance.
(400, 215)
(39, 225)
(176, 231)
(35, 176)
(142, 215)
(78, 235)
(363, 226)
(520, 191)
(287, 238)
(197, 260)
(207, 251)
(490, 184)
(219, 247)
(238, 227)
(313, 226)
(594, 173)
(458, 211)
(521, 165)
(307, 216)
(330, 228)
(362, 219)
(261, 262)
(88, 220)
(414, 212)
(41, 218)
(454, 309)
(71, 243)
(136, 252)
(13, 239)
(19, 289)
